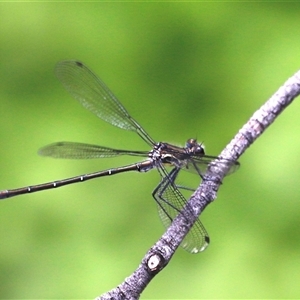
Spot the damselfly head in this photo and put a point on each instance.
(193, 147)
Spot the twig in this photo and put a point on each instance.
(160, 254)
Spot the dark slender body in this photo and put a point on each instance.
(58, 183)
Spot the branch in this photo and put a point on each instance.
(161, 253)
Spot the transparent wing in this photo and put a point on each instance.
(95, 96)
(83, 151)
(170, 203)
(199, 164)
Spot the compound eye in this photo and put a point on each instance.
(191, 143)
(200, 149)
(193, 147)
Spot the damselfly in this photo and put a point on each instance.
(95, 96)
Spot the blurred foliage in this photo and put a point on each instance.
(182, 70)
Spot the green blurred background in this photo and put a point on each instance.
(182, 70)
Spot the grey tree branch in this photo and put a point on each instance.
(161, 253)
